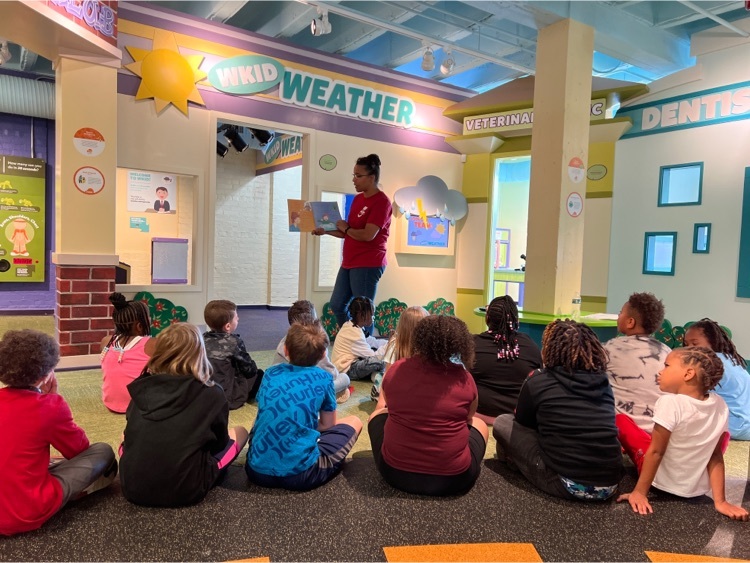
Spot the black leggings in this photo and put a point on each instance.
(423, 483)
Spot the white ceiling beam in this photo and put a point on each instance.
(717, 19)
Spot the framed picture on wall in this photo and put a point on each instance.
(426, 235)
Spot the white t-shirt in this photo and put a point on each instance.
(696, 427)
(350, 344)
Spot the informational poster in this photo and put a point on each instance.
(432, 233)
(22, 207)
(151, 192)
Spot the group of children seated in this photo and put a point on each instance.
(562, 416)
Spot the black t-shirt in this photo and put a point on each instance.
(499, 382)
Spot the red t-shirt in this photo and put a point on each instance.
(376, 210)
(29, 423)
(427, 430)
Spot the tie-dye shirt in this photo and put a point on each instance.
(633, 371)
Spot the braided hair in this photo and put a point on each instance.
(127, 315)
(572, 346)
(360, 310)
(709, 369)
(372, 163)
(502, 324)
(719, 340)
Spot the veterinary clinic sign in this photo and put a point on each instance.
(252, 74)
(518, 119)
(707, 107)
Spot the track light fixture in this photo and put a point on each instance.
(428, 59)
(221, 149)
(5, 55)
(262, 136)
(320, 25)
(232, 135)
(449, 63)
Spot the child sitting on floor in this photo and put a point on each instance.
(125, 354)
(353, 353)
(636, 358)
(401, 345)
(34, 417)
(303, 312)
(177, 444)
(233, 368)
(684, 453)
(297, 442)
(563, 437)
(734, 386)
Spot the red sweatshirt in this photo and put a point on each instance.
(29, 423)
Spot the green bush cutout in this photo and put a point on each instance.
(162, 311)
(329, 322)
(673, 336)
(440, 306)
(387, 315)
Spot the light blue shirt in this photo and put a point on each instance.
(285, 435)
(734, 388)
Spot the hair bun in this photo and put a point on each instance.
(374, 159)
(118, 300)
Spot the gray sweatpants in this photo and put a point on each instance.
(77, 474)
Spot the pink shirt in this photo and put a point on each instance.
(119, 368)
(377, 211)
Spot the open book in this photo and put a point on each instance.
(306, 216)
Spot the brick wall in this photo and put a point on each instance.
(16, 140)
(83, 310)
(284, 257)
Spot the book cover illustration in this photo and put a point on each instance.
(300, 216)
(325, 214)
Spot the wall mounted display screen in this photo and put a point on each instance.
(169, 260)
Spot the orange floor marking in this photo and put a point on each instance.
(463, 552)
(258, 559)
(664, 557)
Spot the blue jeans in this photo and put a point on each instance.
(353, 282)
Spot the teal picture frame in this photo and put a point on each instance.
(653, 252)
(701, 238)
(663, 197)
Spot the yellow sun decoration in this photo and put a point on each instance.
(166, 75)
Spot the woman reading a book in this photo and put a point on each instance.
(365, 234)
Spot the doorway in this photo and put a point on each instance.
(508, 225)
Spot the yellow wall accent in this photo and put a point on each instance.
(477, 175)
(601, 153)
(466, 301)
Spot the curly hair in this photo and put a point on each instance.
(718, 339)
(709, 368)
(372, 163)
(218, 313)
(26, 357)
(306, 343)
(127, 315)
(647, 310)
(573, 346)
(180, 351)
(442, 339)
(360, 310)
(502, 323)
(302, 310)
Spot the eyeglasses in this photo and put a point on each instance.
(360, 175)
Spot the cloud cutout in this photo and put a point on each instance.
(435, 197)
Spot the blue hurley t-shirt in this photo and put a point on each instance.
(285, 434)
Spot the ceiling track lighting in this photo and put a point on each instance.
(233, 137)
(221, 149)
(448, 64)
(428, 59)
(320, 25)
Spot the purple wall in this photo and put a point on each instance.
(15, 140)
